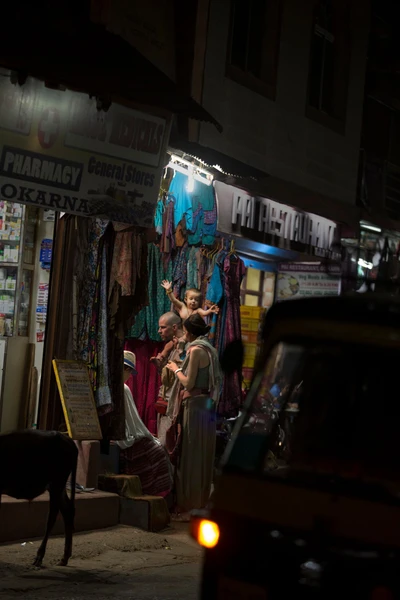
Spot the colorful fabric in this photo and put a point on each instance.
(158, 217)
(167, 243)
(145, 386)
(179, 277)
(181, 234)
(146, 322)
(214, 375)
(214, 295)
(234, 271)
(90, 232)
(192, 269)
(103, 392)
(122, 270)
(203, 202)
(182, 200)
(141, 454)
(128, 292)
(148, 461)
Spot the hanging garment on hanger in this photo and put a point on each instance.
(103, 392)
(180, 271)
(158, 217)
(124, 307)
(234, 271)
(146, 322)
(214, 295)
(182, 200)
(167, 244)
(203, 202)
(181, 234)
(90, 232)
(145, 386)
(210, 223)
(192, 269)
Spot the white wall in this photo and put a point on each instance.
(276, 137)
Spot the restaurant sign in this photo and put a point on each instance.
(269, 222)
(58, 152)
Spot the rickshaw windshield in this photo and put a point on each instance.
(328, 409)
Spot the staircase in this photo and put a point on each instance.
(23, 520)
(119, 500)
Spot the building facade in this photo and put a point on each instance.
(286, 81)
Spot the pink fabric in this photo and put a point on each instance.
(146, 384)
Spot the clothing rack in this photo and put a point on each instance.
(191, 170)
(183, 161)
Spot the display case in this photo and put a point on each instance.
(17, 243)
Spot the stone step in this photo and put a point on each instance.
(127, 486)
(145, 512)
(23, 520)
(136, 509)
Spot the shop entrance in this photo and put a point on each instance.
(26, 238)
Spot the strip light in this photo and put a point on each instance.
(371, 227)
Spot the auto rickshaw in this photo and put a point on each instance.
(307, 504)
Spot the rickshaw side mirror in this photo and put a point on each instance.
(232, 357)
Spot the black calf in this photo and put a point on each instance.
(32, 462)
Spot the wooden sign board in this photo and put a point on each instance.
(77, 400)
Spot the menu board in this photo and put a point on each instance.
(299, 280)
(77, 400)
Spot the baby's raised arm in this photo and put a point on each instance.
(167, 285)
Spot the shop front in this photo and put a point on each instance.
(288, 254)
(187, 252)
(77, 186)
(242, 253)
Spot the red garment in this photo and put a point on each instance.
(145, 386)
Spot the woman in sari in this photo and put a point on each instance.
(193, 405)
(141, 453)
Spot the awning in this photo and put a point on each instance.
(260, 183)
(94, 61)
(212, 158)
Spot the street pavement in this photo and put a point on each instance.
(118, 563)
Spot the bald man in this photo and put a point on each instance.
(169, 329)
(170, 326)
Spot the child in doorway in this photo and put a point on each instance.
(191, 303)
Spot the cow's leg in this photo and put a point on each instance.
(55, 496)
(68, 513)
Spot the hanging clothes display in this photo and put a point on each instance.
(182, 199)
(90, 233)
(233, 271)
(145, 386)
(146, 322)
(218, 273)
(128, 292)
(109, 287)
(189, 255)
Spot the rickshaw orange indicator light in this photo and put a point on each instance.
(208, 534)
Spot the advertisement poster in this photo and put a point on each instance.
(58, 152)
(297, 280)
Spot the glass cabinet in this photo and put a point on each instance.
(17, 245)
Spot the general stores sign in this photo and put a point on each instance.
(269, 222)
(58, 152)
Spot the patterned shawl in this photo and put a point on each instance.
(215, 376)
